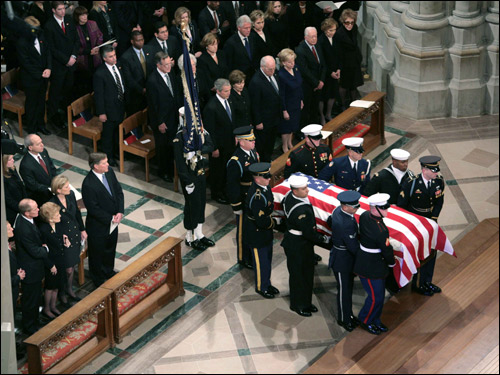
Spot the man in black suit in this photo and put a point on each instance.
(311, 63)
(62, 38)
(218, 120)
(32, 256)
(266, 107)
(164, 100)
(213, 20)
(234, 9)
(152, 11)
(35, 60)
(241, 49)
(137, 63)
(37, 170)
(109, 94)
(128, 16)
(103, 198)
(162, 42)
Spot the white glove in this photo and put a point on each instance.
(239, 212)
(190, 188)
(396, 245)
(277, 219)
(326, 239)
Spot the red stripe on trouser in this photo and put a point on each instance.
(373, 300)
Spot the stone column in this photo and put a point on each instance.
(492, 61)
(419, 87)
(467, 87)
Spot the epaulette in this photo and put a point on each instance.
(234, 158)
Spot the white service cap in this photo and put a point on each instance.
(312, 129)
(297, 181)
(400, 154)
(353, 142)
(379, 199)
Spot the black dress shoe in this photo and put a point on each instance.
(246, 264)
(76, 298)
(167, 178)
(207, 242)
(44, 131)
(434, 288)
(301, 312)
(313, 308)
(382, 327)
(317, 257)
(196, 245)
(347, 326)
(221, 200)
(273, 290)
(49, 318)
(372, 328)
(355, 321)
(422, 290)
(265, 294)
(65, 304)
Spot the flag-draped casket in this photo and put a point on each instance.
(413, 236)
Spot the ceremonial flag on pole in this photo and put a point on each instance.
(412, 236)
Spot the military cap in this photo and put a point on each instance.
(313, 131)
(244, 132)
(297, 181)
(261, 169)
(350, 197)
(399, 154)
(380, 199)
(430, 162)
(354, 143)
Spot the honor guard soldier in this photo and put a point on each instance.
(310, 158)
(298, 242)
(258, 227)
(343, 253)
(239, 179)
(374, 261)
(350, 172)
(389, 180)
(193, 182)
(424, 195)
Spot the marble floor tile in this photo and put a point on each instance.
(285, 362)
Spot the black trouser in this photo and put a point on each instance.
(102, 251)
(426, 271)
(264, 141)
(30, 301)
(164, 153)
(60, 96)
(345, 282)
(35, 107)
(310, 112)
(300, 264)
(194, 207)
(109, 138)
(218, 173)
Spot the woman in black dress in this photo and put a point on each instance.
(55, 239)
(276, 25)
(240, 98)
(264, 44)
(350, 58)
(72, 223)
(102, 14)
(14, 188)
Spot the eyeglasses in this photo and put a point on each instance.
(348, 22)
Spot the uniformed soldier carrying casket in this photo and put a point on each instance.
(424, 195)
(258, 227)
(239, 179)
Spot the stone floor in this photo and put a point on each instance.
(221, 325)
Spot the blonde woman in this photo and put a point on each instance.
(14, 188)
(72, 225)
(183, 16)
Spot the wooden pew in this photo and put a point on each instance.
(342, 124)
(140, 289)
(73, 339)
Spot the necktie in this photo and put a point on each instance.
(274, 85)
(247, 46)
(167, 79)
(106, 185)
(236, 8)
(315, 55)
(63, 28)
(355, 168)
(215, 20)
(42, 163)
(228, 110)
(118, 84)
(143, 63)
(165, 49)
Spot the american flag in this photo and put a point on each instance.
(414, 235)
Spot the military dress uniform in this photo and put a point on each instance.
(426, 201)
(343, 254)
(345, 176)
(238, 181)
(373, 262)
(307, 160)
(298, 243)
(258, 231)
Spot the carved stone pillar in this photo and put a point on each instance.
(492, 61)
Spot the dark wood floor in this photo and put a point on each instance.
(456, 331)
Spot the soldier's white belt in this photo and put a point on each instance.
(373, 251)
(296, 232)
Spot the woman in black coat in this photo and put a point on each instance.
(103, 15)
(14, 188)
(350, 58)
(276, 26)
(55, 239)
(183, 15)
(240, 99)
